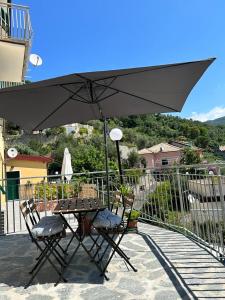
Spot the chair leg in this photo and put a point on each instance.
(45, 257)
(116, 248)
(111, 241)
(59, 255)
(63, 250)
(94, 261)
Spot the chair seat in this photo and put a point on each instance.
(50, 219)
(107, 219)
(48, 226)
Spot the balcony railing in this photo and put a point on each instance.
(7, 84)
(190, 202)
(15, 23)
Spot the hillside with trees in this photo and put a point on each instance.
(218, 121)
(140, 131)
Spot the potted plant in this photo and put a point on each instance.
(133, 216)
(125, 190)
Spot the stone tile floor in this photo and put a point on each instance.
(170, 266)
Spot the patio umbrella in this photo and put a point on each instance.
(81, 97)
(67, 169)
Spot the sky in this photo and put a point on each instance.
(90, 35)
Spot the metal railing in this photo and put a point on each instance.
(7, 84)
(15, 22)
(185, 199)
(192, 204)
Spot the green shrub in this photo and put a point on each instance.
(134, 214)
(83, 131)
(53, 191)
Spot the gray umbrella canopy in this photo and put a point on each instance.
(81, 97)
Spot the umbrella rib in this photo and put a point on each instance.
(107, 97)
(78, 100)
(141, 98)
(97, 98)
(53, 112)
(76, 94)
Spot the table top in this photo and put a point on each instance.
(77, 205)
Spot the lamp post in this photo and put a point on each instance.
(116, 135)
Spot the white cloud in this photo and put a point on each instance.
(216, 112)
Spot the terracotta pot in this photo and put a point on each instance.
(132, 224)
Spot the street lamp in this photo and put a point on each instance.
(116, 135)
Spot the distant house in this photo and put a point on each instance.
(24, 166)
(222, 148)
(182, 145)
(220, 151)
(161, 155)
(79, 130)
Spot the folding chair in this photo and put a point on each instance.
(113, 229)
(49, 230)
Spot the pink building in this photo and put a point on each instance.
(161, 155)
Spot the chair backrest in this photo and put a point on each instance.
(120, 204)
(29, 211)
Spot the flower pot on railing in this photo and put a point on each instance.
(132, 223)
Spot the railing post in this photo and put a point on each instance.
(180, 192)
(223, 208)
(45, 199)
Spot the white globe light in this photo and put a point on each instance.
(116, 134)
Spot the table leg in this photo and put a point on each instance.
(71, 229)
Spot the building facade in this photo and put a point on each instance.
(23, 171)
(161, 155)
(15, 43)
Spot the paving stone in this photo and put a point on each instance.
(153, 265)
(39, 297)
(65, 293)
(153, 281)
(166, 295)
(4, 288)
(4, 297)
(134, 287)
(153, 275)
(102, 293)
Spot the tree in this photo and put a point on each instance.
(190, 157)
(202, 141)
(55, 131)
(133, 160)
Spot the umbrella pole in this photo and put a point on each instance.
(106, 160)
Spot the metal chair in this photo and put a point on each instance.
(48, 230)
(114, 234)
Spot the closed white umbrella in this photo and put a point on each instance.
(67, 169)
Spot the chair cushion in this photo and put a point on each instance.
(50, 219)
(107, 219)
(48, 226)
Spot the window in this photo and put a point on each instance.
(164, 162)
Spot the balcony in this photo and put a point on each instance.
(7, 84)
(15, 41)
(177, 255)
(15, 23)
